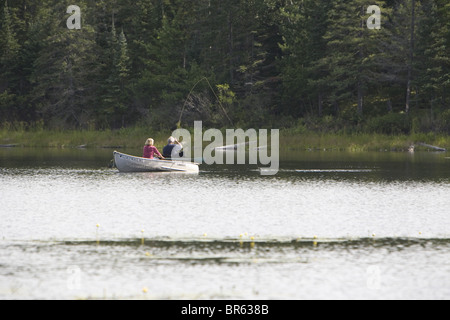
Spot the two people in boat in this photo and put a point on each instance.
(173, 149)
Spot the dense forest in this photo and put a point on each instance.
(308, 64)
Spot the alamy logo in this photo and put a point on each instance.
(74, 21)
(74, 278)
(374, 21)
(374, 278)
(232, 149)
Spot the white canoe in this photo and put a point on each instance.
(127, 163)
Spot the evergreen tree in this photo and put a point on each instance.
(433, 57)
(411, 48)
(351, 51)
(304, 25)
(170, 69)
(9, 49)
(64, 77)
(398, 56)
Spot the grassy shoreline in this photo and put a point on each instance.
(289, 139)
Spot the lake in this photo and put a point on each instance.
(329, 225)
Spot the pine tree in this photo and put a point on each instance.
(9, 81)
(116, 70)
(398, 57)
(256, 77)
(123, 64)
(304, 25)
(64, 73)
(9, 49)
(170, 68)
(433, 56)
(411, 47)
(351, 49)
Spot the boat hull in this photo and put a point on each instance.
(128, 163)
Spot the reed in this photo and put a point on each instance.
(124, 138)
(359, 142)
(135, 137)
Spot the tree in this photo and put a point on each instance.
(170, 66)
(9, 49)
(64, 76)
(352, 48)
(433, 54)
(411, 54)
(303, 25)
(116, 93)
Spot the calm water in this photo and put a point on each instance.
(329, 225)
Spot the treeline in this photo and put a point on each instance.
(311, 64)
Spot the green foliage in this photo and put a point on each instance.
(6, 101)
(9, 64)
(445, 121)
(268, 63)
(391, 123)
(426, 121)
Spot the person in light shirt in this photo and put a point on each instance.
(173, 149)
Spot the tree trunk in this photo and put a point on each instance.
(320, 103)
(411, 57)
(360, 99)
(230, 45)
(361, 56)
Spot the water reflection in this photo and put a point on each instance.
(228, 250)
(226, 269)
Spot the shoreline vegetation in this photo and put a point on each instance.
(290, 139)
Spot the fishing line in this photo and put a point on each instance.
(190, 93)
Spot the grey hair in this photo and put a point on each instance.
(171, 140)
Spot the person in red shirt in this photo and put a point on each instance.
(150, 150)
